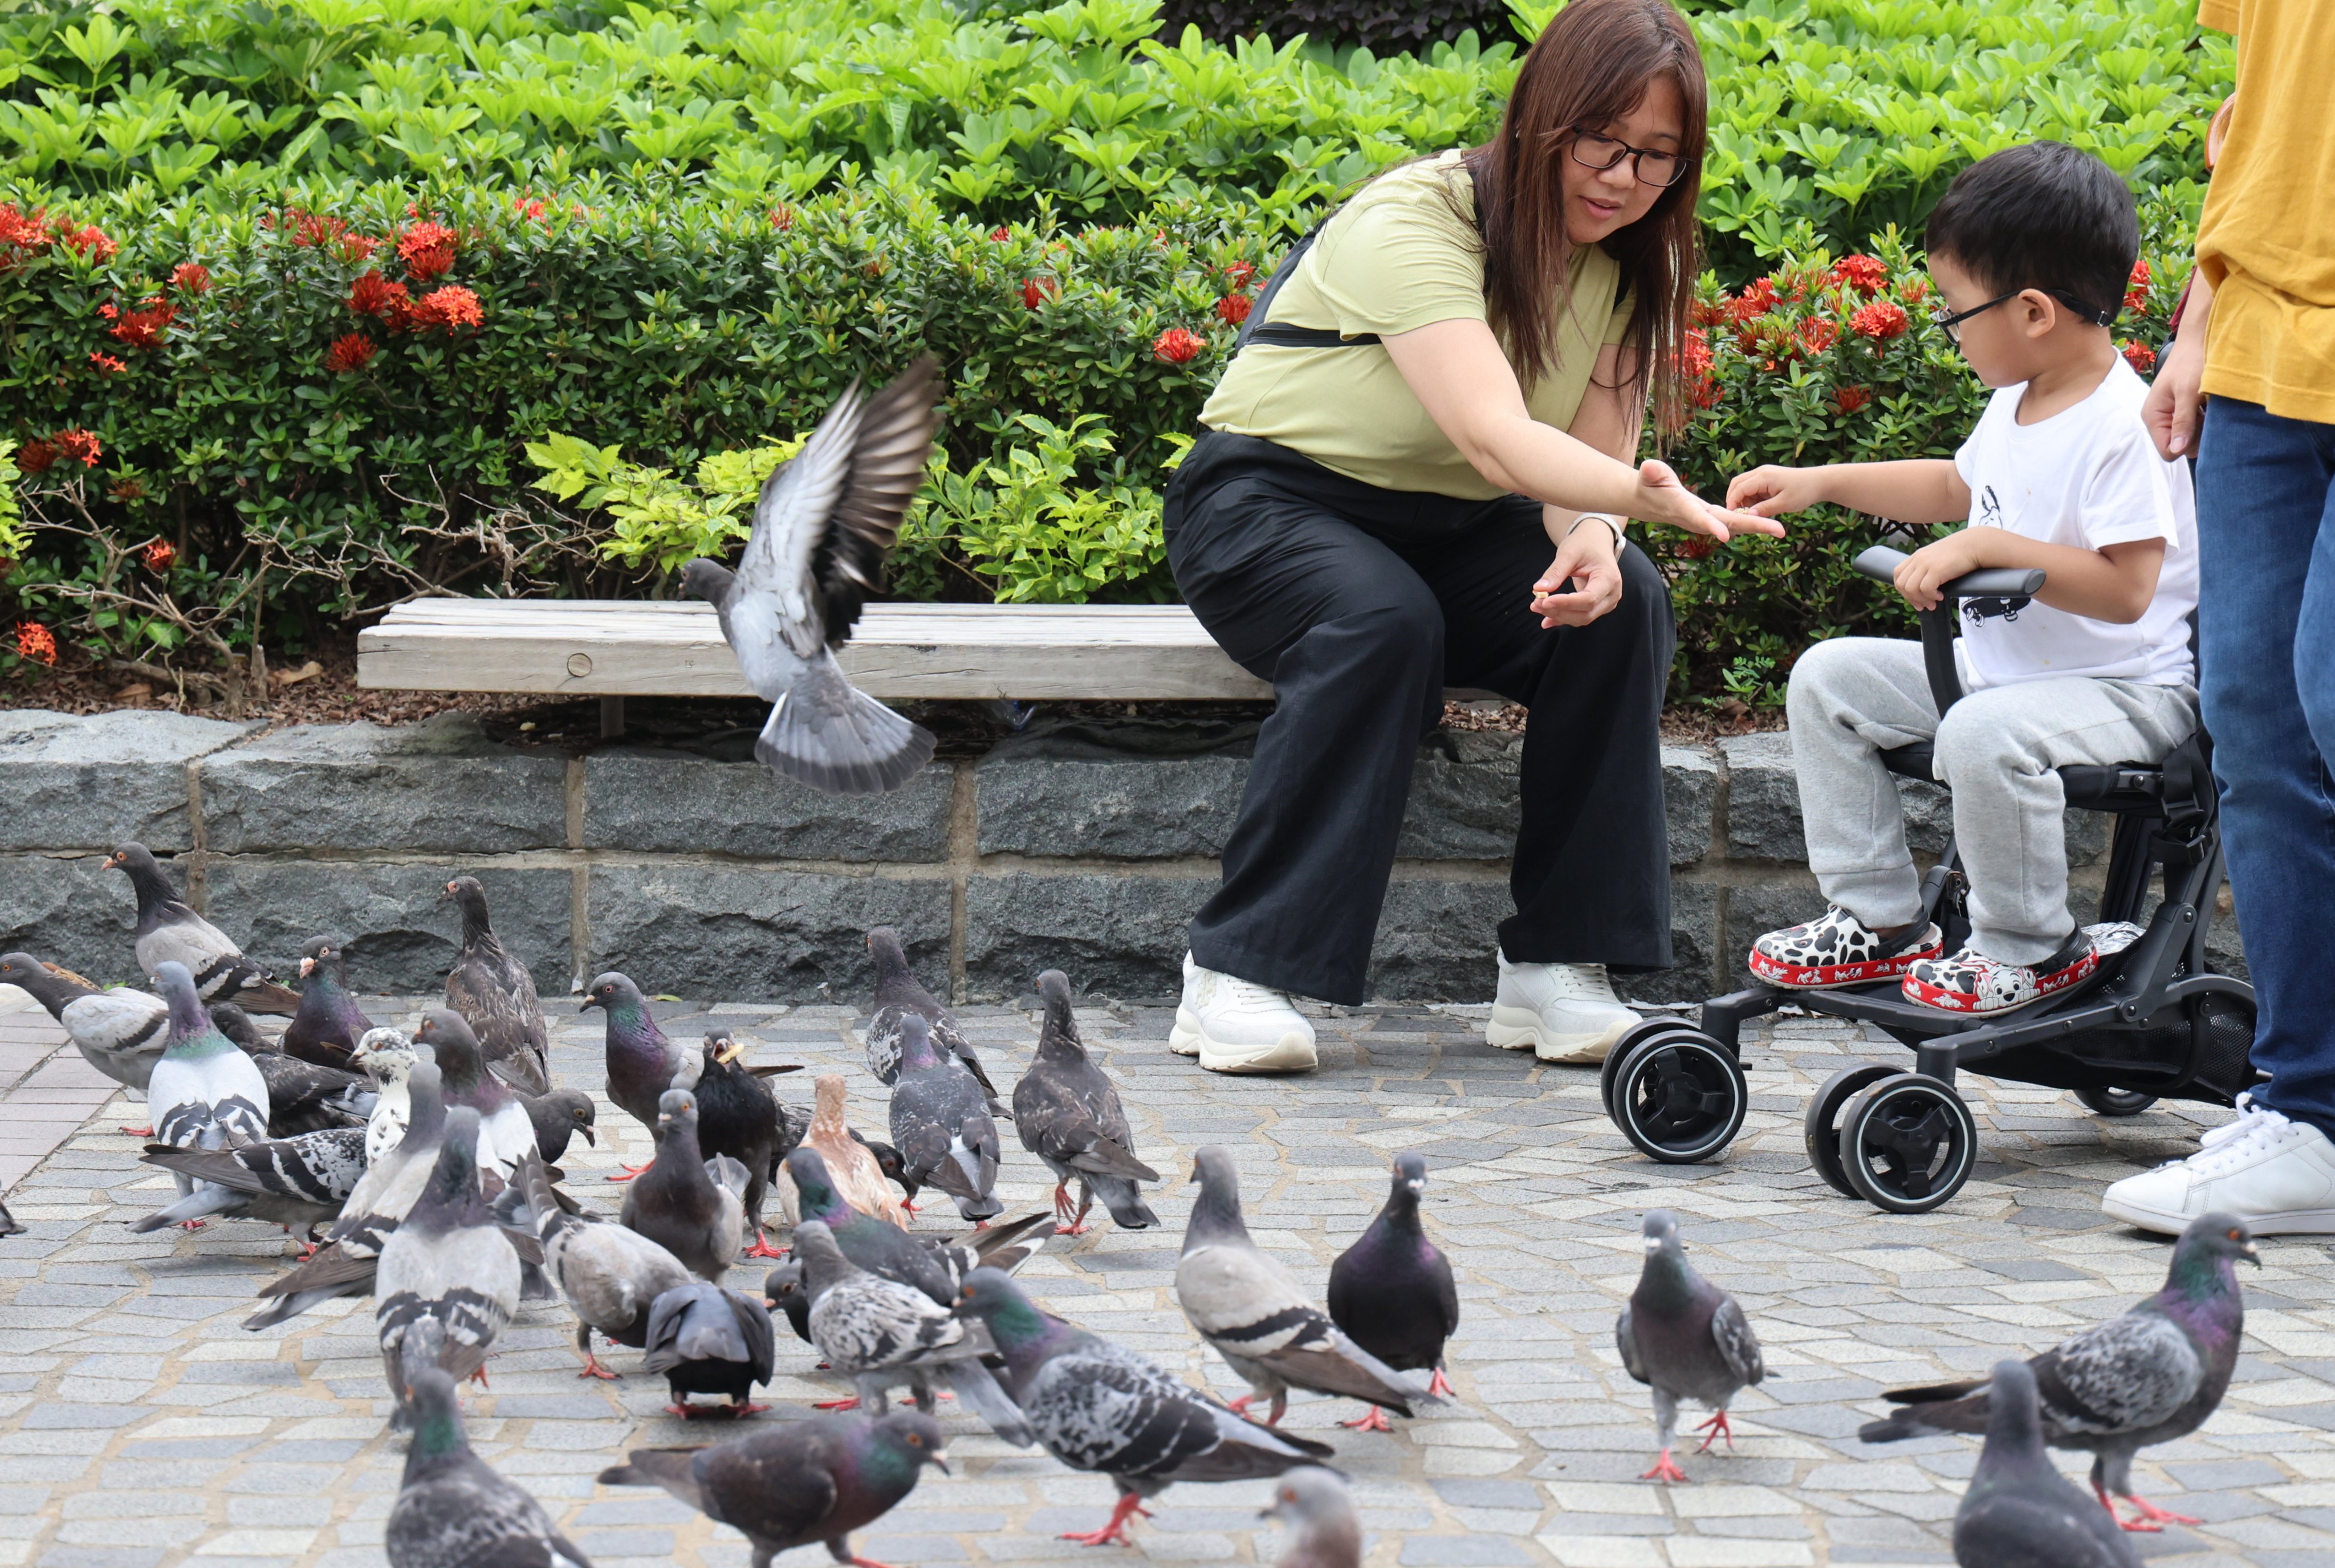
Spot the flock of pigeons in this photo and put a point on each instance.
(425, 1171)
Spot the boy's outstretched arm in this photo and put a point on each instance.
(2113, 582)
(1918, 490)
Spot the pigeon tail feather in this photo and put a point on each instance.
(831, 736)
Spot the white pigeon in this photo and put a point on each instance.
(387, 1057)
(823, 525)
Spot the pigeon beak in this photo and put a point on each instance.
(307, 967)
(939, 1457)
(2252, 1254)
(1417, 1185)
(589, 1135)
(1653, 1243)
(112, 863)
(589, 1003)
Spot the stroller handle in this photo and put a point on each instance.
(1881, 563)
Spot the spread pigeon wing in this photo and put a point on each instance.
(1738, 1346)
(888, 468)
(2126, 1375)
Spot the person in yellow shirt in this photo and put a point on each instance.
(1412, 475)
(2249, 388)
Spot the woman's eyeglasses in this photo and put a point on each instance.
(1659, 169)
(1951, 325)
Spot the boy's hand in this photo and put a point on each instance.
(1664, 498)
(1919, 577)
(1773, 489)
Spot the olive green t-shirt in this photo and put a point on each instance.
(1397, 258)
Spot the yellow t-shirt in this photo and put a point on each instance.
(2267, 240)
(1396, 257)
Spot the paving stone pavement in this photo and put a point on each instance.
(140, 1426)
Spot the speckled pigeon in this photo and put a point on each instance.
(450, 1261)
(1686, 1339)
(641, 1062)
(1097, 1405)
(1312, 1502)
(1392, 1290)
(609, 1275)
(933, 1264)
(204, 1093)
(941, 1126)
(495, 994)
(169, 930)
(301, 1181)
(1067, 1113)
(2149, 1375)
(823, 525)
(705, 1340)
(387, 1057)
(327, 1024)
(898, 994)
(1258, 1318)
(679, 1204)
(453, 1511)
(506, 1131)
(803, 1483)
(2020, 1512)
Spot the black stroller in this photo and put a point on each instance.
(2152, 1022)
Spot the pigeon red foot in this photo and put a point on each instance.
(763, 1248)
(1370, 1420)
(850, 1404)
(2148, 1519)
(1113, 1533)
(138, 1132)
(1665, 1469)
(1714, 1429)
(191, 1225)
(1077, 1227)
(593, 1369)
(630, 1171)
(1438, 1384)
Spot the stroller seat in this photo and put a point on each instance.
(2117, 787)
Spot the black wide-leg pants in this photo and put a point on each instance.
(1360, 604)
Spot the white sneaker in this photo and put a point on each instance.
(2278, 1176)
(1564, 1011)
(1238, 1026)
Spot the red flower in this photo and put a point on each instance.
(1864, 274)
(782, 217)
(1880, 321)
(1694, 546)
(1849, 398)
(2140, 356)
(108, 311)
(92, 242)
(106, 363)
(1694, 353)
(350, 354)
(1238, 273)
(315, 228)
(1037, 291)
(1707, 393)
(1234, 308)
(193, 278)
(159, 555)
(2136, 290)
(1708, 312)
(355, 246)
(1001, 234)
(143, 327)
(1176, 346)
(1818, 333)
(449, 307)
(527, 206)
(78, 443)
(428, 251)
(1756, 301)
(35, 642)
(35, 458)
(21, 231)
(1915, 290)
(375, 295)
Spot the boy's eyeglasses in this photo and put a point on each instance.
(1951, 325)
(1659, 169)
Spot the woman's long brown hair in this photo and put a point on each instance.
(1591, 65)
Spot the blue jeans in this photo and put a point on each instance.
(2267, 616)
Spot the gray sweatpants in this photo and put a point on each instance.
(1853, 698)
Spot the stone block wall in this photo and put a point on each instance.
(715, 878)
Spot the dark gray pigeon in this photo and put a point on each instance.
(679, 1204)
(204, 1093)
(2150, 1376)
(2020, 1511)
(495, 994)
(1066, 1112)
(643, 1063)
(1314, 1504)
(738, 1115)
(329, 1022)
(558, 1117)
(1686, 1339)
(1259, 1318)
(610, 1276)
(805, 1482)
(898, 994)
(823, 525)
(941, 1126)
(453, 1510)
(1392, 1290)
(705, 1340)
(293, 1181)
(448, 1262)
(783, 1292)
(1097, 1405)
(168, 930)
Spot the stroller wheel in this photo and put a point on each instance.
(1820, 1129)
(1908, 1144)
(1638, 1035)
(1680, 1097)
(2116, 1101)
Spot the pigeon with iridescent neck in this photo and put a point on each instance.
(452, 1511)
(1392, 1291)
(506, 1131)
(641, 1062)
(204, 1093)
(328, 1023)
(1066, 1112)
(1685, 1338)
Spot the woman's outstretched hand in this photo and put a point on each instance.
(1587, 559)
(1664, 498)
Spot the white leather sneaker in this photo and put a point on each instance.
(1238, 1026)
(2278, 1176)
(1564, 1011)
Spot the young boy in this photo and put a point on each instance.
(2031, 250)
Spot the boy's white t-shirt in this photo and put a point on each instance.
(2087, 477)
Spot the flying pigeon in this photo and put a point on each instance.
(941, 1126)
(170, 931)
(851, 1167)
(1066, 1112)
(496, 996)
(1314, 1504)
(1258, 1317)
(329, 1022)
(805, 1482)
(897, 995)
(120, 1031)
(452, 1511)
(448, 1262)
(738, 1115)
(822, 526)
(610, 1276)
(880, 1334)
(1392, 1290)
(933, 1264)
(1097, 1405)
(2149, 1377)
(2020, 1512)
(506, 1131)
(641, 1062)
(705, 1340)
(1686, 1339)
(301, 1181)
(204, 1093)
(678, 1203)
(387, 1057)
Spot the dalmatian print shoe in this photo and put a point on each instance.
(1972, 982)
(1837, 948)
